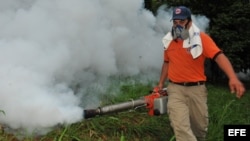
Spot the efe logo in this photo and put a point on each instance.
(236, 132)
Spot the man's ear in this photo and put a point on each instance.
(189, 23)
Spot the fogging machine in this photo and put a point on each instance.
(156, 104)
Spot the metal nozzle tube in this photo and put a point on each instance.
(114, 108)
(91, 113)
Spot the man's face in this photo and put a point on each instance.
(180, 22)
(180, 29)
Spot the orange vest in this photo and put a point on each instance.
(182, 67)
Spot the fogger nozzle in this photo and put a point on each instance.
(91, 113)
(113, 108)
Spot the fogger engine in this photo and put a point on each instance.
(156, 103)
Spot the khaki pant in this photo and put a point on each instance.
(188, 112)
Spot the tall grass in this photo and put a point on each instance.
(225, 108)
(137, 125)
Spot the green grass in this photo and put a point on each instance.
(225, 108)
(137, 125)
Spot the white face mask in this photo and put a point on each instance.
(180, 32)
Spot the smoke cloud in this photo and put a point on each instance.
(50, 48)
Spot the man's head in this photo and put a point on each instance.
(181, 22)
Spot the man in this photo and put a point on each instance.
(186, 49)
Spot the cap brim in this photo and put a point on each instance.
(179, 17)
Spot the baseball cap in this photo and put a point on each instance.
(181, 13)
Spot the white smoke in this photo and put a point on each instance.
(48, 46)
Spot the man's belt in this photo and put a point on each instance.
(189, 83)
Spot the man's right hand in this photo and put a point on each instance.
(160, 90)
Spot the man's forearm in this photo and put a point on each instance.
(226, 66)
(164, 74)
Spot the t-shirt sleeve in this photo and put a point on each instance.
(210, 49)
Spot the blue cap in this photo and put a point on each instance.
(181, 13)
